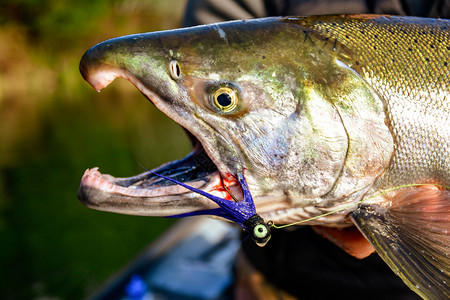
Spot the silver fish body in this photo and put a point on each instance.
(338, 120)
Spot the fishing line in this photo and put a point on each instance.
(245, 238)
(228, 190)
(357, 203)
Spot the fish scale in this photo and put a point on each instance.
(406, 63)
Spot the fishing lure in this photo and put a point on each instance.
(241, 212)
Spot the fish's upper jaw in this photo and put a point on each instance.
(99, 75)
(102, 78)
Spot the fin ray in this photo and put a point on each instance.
(412, 235)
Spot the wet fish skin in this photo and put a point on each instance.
(289, 133)
(332, 110)
(408, 66)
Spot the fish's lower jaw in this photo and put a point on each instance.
(103, 192)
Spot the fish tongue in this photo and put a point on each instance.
(412, 236)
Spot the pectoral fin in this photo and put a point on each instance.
(411, 234)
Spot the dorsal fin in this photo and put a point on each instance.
(412, 235)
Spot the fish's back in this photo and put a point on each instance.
(406, 61)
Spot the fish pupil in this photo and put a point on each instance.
(224, 99)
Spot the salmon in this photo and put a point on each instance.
(339, 122)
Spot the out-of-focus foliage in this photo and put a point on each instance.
(53, 126)
(52, 20)
(62, 23)
(42, 42)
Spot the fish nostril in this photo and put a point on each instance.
(175, 70)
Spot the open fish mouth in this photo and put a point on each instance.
(148, 194)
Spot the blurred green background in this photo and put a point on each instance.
(53, 126)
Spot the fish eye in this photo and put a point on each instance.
(175, 70)
(260, 231)
(225, 99)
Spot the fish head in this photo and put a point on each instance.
(252, 96)
(213, 80)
